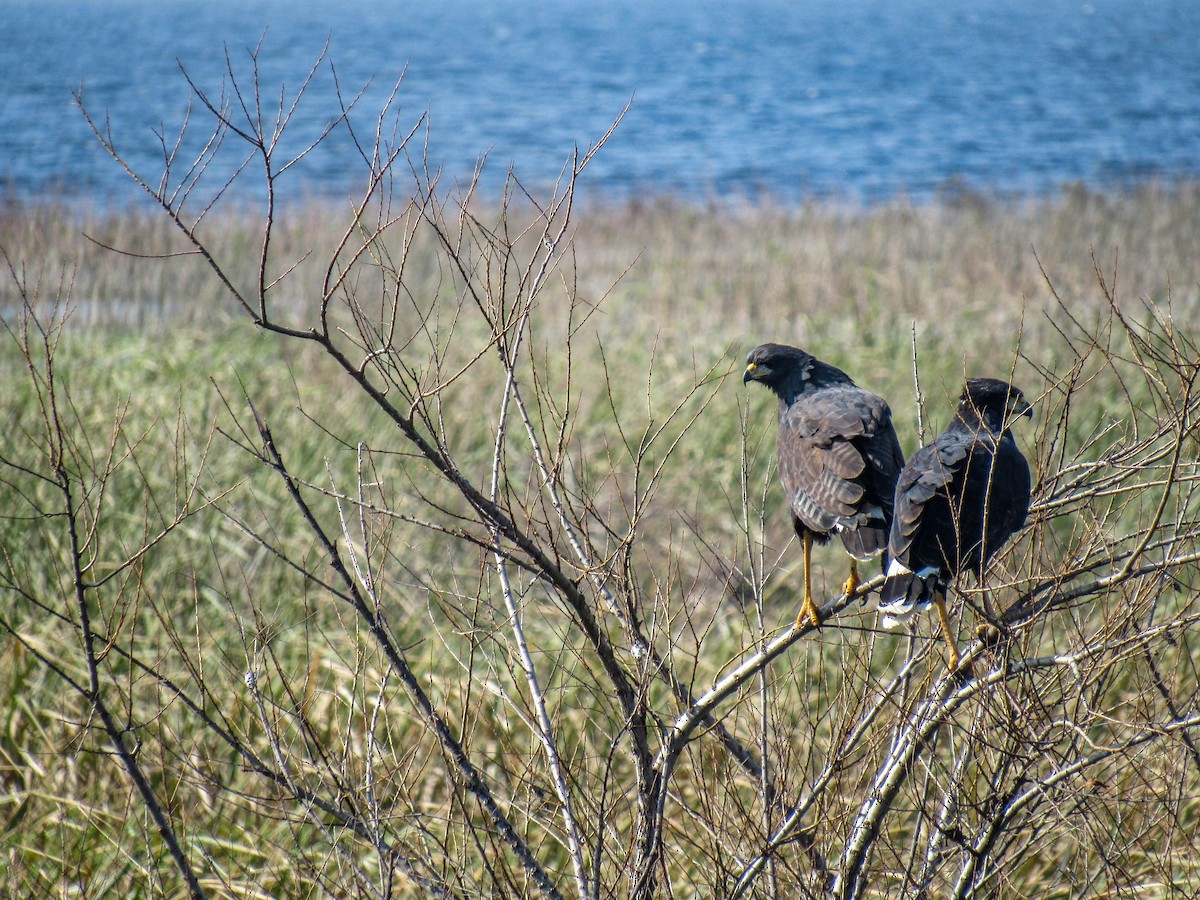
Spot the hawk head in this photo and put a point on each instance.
(992, 402)
(790, 372)
(775, 364)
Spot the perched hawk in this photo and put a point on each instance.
(838, 457)
(958, 500)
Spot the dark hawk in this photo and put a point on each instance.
(959, 499)
(838, 457)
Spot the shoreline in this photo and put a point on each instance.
(604, 199)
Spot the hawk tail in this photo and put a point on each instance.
(867, 540)
(905, 593)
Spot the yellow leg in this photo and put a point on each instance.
(852, 581)
(939, 600)
(809, 609)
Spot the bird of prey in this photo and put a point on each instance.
(957, 501)
(838, 457)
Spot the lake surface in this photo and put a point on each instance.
(843, 98)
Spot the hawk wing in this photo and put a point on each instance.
(838, 458)
(925, 520)
(957, 502)
(885, 459)
(924, 532)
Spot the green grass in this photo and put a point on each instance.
(979, 280)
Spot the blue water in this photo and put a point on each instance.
(843, 98)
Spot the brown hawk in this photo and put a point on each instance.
(838, 457)
(958, 500)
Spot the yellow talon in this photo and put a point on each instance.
(852, 581)
(809, 611)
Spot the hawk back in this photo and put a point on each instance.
(958, 500)
(839, 458)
